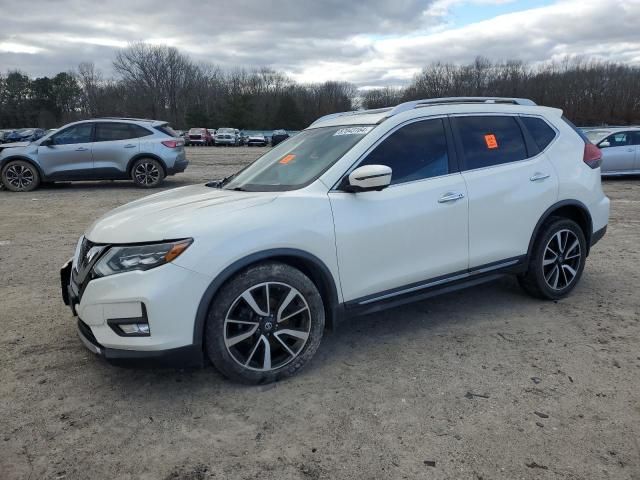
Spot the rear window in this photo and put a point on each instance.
(167, 130)
(541, 132)
(576, 129)
(596, 135)
(490, 140)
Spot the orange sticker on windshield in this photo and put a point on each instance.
(287, 158)
(491, 141)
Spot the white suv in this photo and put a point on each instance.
(359, 212)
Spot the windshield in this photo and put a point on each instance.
(196, 131)
(226, 130)
(298, 161)
(596, 135)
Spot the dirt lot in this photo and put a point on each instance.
(389, 396)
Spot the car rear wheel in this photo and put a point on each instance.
(147, 173)
(557, 260)
(265, 324)
(20, 176)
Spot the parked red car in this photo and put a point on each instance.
(200, 136)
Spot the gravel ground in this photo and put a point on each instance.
(485, 383)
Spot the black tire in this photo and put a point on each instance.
(221, 329)
(147, 172)
(20, 176)
(538, 280)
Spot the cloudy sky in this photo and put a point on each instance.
(368, 42)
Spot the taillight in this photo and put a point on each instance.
(592, 155)
(173, 143)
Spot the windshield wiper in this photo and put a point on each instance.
(220, 183)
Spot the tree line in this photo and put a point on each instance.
(589, 92)
(154, 81)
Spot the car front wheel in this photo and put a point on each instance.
(557, 260)
(265, 324)
(20, 176)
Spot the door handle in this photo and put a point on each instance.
(539, 176)
(129, 145)
(450, 197)
(631, 150)
(81, 149)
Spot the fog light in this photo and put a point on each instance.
(134, 328)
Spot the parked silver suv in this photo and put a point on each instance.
(99, 149)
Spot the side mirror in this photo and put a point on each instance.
(604, 144)
(47, 142)
(368, 178)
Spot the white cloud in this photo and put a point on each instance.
(368, 43)
(11, 47)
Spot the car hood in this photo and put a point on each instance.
(14, 144)
(177, 213)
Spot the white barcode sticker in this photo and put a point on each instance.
(353, 131)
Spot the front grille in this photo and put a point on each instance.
(195, 137)
(81, 261)
(88, 255)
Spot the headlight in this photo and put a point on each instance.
(119, 259)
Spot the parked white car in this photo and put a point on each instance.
(359, 212)
(620, 149)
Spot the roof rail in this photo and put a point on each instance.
(429, 102)
(128, 118)
(353, 112)
(403, 107)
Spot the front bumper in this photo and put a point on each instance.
(188, 356)
(167, 298)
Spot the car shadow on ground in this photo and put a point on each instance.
(338, 347)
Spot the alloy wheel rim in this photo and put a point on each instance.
(267, 326)
(147, 173)
(561, 259)
(19, 176)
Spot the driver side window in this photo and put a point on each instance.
(77, 134)
(620, 139)
(413, 152)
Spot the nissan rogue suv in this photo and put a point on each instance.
(359, 212)
(144, 151)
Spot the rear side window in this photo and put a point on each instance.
(413, 152)
(490, 140)
(107, 132)
(541, 132)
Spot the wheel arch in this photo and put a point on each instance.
(306, 262)
(138, 156)
(571, 209)
(24, 159)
